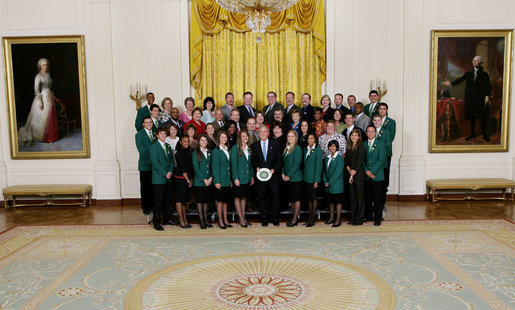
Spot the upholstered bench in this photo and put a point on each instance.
(49, 192)
(469, 185)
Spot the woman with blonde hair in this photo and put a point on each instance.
(292, 174)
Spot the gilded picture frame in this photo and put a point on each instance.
(46, 97)
(470, 91)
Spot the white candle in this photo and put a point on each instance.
(372, 84)
(384, 84)
(378, 82)
(132, 89)
(145, 89)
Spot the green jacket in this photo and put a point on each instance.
(366, 110)
(390, 125)
(221, 167)
(384, 135)
(291, 166)
(142, 113)
(334, 174)
(202, 169)
(143, 144)
(376, 159)
(162, 162)
(313, 165)
(241, 167)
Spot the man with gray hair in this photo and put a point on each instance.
(477, 96)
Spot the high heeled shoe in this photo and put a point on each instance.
(202, 226)
(329, 222)
(222, 227)
(184, 226)
(209, 225)
(290, 224)
(337, 224)
(228, 225)
(244, 225)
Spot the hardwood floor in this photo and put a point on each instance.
(131, 214)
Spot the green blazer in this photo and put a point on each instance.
(142, 113)
(154, 127)
(376, 159)
(241, 167)
(202, 169)
(221, 167)
(313, 165)
(334, 174)
(162, 162)
(390, 125)
(292, 162)
(143, 144)
(366, 110)
(384, 136)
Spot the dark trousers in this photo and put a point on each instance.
(162, 201)
(387, 174)
(346, 193)
(145, 181)
(375, 194)
(268, 195)
(357, 197)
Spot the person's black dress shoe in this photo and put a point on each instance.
(202, 226)
(228, 225)
(264, 223)
(290, 224)
(337, 224)
(244, 225)
(170, 222)
(209, 225)
(158, 227)
(275, 223)
(184, 226)
(356, 224)
(377, 223)
(222, 227)
(486, 138)
(310, 224)
(329, 222)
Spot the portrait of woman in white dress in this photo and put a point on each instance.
(41, 124)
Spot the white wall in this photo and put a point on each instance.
(147, 41)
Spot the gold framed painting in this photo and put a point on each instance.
(470, 90)
(46, 97)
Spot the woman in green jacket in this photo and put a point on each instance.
(202, 180)
(292, 174)
(313, 160)
(242, 174)
(333, 179)
(221, 168)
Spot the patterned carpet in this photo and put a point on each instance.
(459, 264)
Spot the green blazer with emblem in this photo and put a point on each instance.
(384, 135)
(292, 162)
(162, 162)
(143, 144)
(241, 166)
(202, 169)
(142, 113)
(390, 125)
(366, 110)
(220, 167)
(334, 174)
(313, 165)
(376, 159)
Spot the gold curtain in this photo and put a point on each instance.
(224, 55)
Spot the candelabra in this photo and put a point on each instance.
(380, 86)
(138, 93)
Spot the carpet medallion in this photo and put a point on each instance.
(462, 264)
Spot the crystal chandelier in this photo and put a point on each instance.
(257, 11)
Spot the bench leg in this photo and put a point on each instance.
(83, 201)
(434, 196)
(6, 202)
(512, 193)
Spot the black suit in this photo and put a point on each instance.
(344, 111)
(308, 114)
(269, 112)
(346, 133)
(245, 115)
(268, 190)
(287, 117)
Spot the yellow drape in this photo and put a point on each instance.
(224, 55)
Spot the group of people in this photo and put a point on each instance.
(216, 154)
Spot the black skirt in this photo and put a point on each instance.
(334, 198)
(310, 192)
(241, 191)
(223, 194)
(294, 191)
(182, 191)
(203, 194)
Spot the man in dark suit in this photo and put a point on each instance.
(271, 107)
(174, 113)
(308, 112)
(338, 101)
(251, 128)
(144, 140)
(477, 96)
(266, 154)
(349, 120)
(235, 116)
(144, 112)
(290, 107)
(219, 120)
(246, 110)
